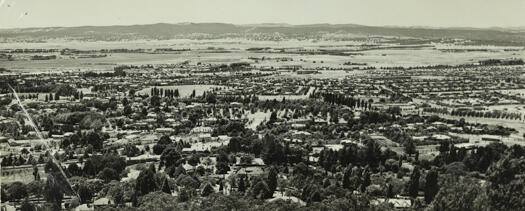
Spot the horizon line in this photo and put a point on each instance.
(279, 23)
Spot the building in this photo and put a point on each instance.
(490, 138)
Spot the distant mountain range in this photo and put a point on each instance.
(508, 36)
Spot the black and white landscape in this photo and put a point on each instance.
(264, 111)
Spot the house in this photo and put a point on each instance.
(209, 121)
(317, 149)
(203, 146)
(419, 138)
(164, 130)
(201, 129)
(102, 202)
(251, 171)
(351, 142)
(291, 198)
(84, 207)
(300, 134)
(398, 203)
(205, 137)
(294, 141)
(490, 138)
(7, 207)
(440, 137)
(298, 126)
(334, 147)
(255, 162)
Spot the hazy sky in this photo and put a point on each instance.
(439, 13)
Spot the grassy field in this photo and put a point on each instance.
(516, 108)
(184, 90)
(515, 138)
(24, 175)
(236, 48)
(256, 118)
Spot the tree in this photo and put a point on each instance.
(155, 101)
(26, 206)
(89, 168)
(161, 144)
(431, 185)
(460, 194)
(145, 182)
(159, 201)
(389, 191)
(242, 186)
(74, 170)
(373, 153)
(222, 168)
(194, 159)
(97, 163)
(53, 193)
(273, 117)
(410, 147)
(346, 178)
(176, 171)
(508, 196)
(47, 123)
(281, 204)
(85, 193)
(188, 182)
(504, 171)
(35, 173)
(170, 156)
(144, 111)
(506, 190)
(95, 140)
(125, 101)
(235, 144)
(272, 151)
(272, 178)
(315, 197)
(130, 150)
(217, 201)
(413, 184)
(183, 195)
(444, 147)
(211, 98)
(166, 186)
(35, 188)
(152, 168)
(108, 174)
(161, 119)
(17, 190)
(207, 190)
(366, 180)
(122, 192)
(261, 190)
(127, 110)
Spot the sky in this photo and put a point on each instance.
(434, 13)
